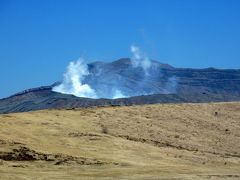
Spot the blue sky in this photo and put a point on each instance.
(39, 38)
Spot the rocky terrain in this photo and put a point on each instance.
(167, 141)
(162, 79)
(165, 84)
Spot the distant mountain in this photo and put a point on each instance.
(164, 83)
(164, 79)
(120, 75)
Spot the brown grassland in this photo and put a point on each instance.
(162, 141)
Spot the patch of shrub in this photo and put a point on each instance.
(104, 130)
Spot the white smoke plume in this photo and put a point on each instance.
(79, 82)
(118, 94)
(72, 82)
(139, 59)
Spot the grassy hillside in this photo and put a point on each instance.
(183, 141)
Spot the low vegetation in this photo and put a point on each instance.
(181, 141)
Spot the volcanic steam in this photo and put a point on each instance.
(124, 78)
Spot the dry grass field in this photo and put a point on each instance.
(171, 141)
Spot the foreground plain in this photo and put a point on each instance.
(171, 141)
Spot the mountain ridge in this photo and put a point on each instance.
(187, 85)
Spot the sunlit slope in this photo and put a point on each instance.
(185, 141)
